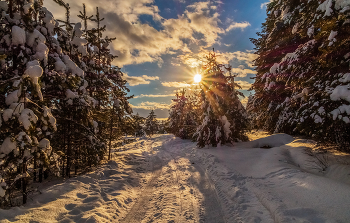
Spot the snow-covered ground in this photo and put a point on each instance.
(166, 179)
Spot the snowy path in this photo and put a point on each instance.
(167, 179)
(178, 191)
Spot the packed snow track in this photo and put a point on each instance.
(166, 179)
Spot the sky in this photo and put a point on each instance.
(161, 43)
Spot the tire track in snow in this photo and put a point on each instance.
(204, 190)
(139, 209)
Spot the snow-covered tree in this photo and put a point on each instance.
(303, 69)
(58, 89)
(151, 124)
(182, 118)
(224, 118)
(27, 122)
(138, 123)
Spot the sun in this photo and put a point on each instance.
(197, 78)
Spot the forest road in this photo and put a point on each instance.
(178, 191)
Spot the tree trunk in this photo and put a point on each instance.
(110, 136)
(68, 152)
(24, 181)
(35, 168)
(41, 173)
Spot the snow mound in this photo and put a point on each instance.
(271, 141)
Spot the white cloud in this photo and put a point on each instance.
(133, 80)
(175, 84)
(154, 95)
(244, 84)
(248, 57)
(138, 43)
(242, 72)
(236, 25)
(151, 105)
(244, 101)
(195, 60)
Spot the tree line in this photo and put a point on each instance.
(62, 101)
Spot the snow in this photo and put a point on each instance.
(331, 37)
(34, 71)
(72, 67)
(12, 97)
(27, 6)
(274, 68)
(339, 4)
(45, 144)
(7, 146)
(59, 65)
(17, 108)
(84, 85)
(7, 114)
(310, 31)
(326, 7)
(48, 20)
(4, 6)
(341, 92)
(35, 35)
(81, 45)
(70, 94)
(345, 78)
(48, 114)
(166, 179)
(226, 125)
(18, 36)
(42, 52)
(27, 116)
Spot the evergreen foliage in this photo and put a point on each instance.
(62, 102)
(303, 70)
(210, 112)
(138, 123)
(182, 117)
(224, 119)
(151, 124)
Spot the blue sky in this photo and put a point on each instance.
(160, 43)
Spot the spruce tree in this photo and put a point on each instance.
(151, 124)
(223, 119)
(302, 70)
(138, 123)
(27, 122)
(182, 115)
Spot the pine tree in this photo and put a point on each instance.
(57, 101)
(138, 123)
(151, 124)
(223, 119)
(302, 68)
(26, 118)
(182, 117)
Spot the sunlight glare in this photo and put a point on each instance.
(197, 78)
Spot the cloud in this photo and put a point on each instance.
(139, 42)
(175, 84)
(248, 57)
(242, 72)
(151, 105)
(236, 25)
(244, 84)
(133, 80)
(244, 101)
(154, 95)
(196, 59)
